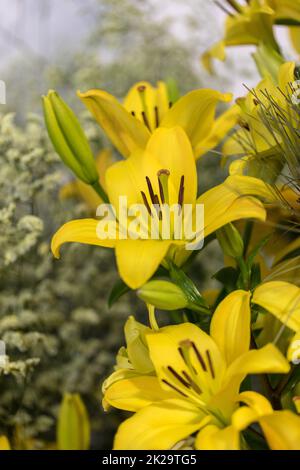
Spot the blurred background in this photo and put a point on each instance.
(60, 334)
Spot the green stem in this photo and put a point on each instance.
(100, 191)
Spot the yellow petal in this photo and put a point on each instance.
(282, 430)
(265, 360)
(125, 131)
(282, 299)
(4, 443)
(195, 113)
(230, 326)
(81, 231)
(220, 129)
(293, 353)
(136, 393)
(248, 185)
(159, 426)
(286, 75)
(213, 438)
(138, 260)
(257, 405)
(217, 51)
(223, 205)
(172, 151)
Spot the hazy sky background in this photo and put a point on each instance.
(44, 26)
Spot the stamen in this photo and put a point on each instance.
(199, 357)
(141, 88)
(181, 191)
(192, 383)
(133, 113)
(163, 176)
(156, 116)
(178, 377)
(150, 189)
(146, 202)
(158, 208)
(184, 353)
(170, 104)
(174, 388)
(209, 359)
(145, 119)
(243, 124)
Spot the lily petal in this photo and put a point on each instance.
(220, 129)
(282, 430)
(136, 393)
(223, 205)
(212, 437)
(195, 113)
(265, 360)
(125, 131)
(230, 326)
(282, 299)
(159, 426)
(138, 260)
(81, 231)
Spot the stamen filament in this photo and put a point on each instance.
(163, 177)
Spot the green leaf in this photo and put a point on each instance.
(228, 277)
(118, 290)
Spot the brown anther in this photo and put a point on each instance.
(133, 113)
(209, 359)
(145, 119)
(174, 388)
(199, 357)
(156, 116)
(146, 202)
(243, 124)
(255, 101)
(178, 377)
(141, 88)
(150, 189)
(170, 104)
(181, 191)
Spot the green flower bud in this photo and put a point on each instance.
(69, 139)
(163, 294)
(231, 241)
(73, 427)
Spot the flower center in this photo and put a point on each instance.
(191, 383)
(152, 199)
(145, 113)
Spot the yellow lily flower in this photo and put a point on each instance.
(254, 139)
(145, 108)
(252, 24)
(81, 190)
(247, 24)
(168, 155)
(202, 375)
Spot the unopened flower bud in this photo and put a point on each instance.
(69, 139)
(231, 241)
(73, 427)
(163, 294)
